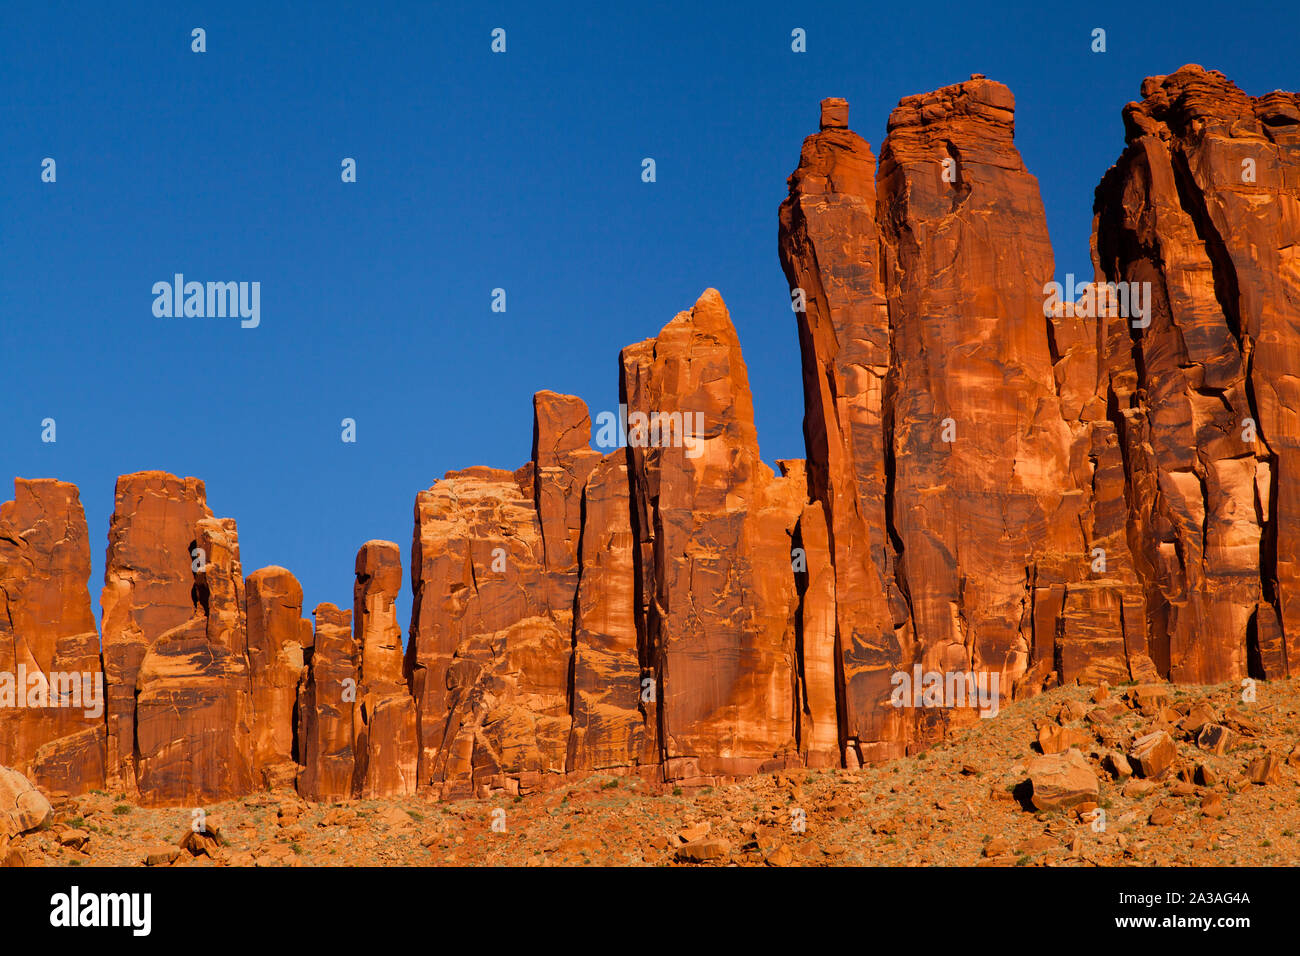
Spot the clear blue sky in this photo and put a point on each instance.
(475, 171)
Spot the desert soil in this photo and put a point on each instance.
(960, 803)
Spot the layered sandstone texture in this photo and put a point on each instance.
(280, 643)
(326, 700)
(383, 721)
(1204, 204)
(495, 575)
(1093, 489)
(149, 590)
(953, 490)
(52, 709)
(558, 621)
(711, 518)
(211, 685)
(1035, 484)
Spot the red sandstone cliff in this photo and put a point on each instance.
(711, 518)
(999, 479)
(1204, 205)
(46, 628)
(384, 738)
(327, 697)
(280, 643)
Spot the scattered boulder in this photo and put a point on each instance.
(1242, 724)
(75, 839)
(204, 839)
(21, 804)
(781, 855)
(1117, 766)
(1060, 781)
(15, 856)
(1197, 717)
(1216, 738)
(338, 817)
(1264, 770)
(694, 832)
(277, 854)
(998, 846)
(1154, 754)
(1073, 710)
(704, 851)
(1160, 816)
(1137, 788)
(1099, 716)
(162, 856)
(1035, 845)
(1149, 697)
(1055, 739)
(393, 817)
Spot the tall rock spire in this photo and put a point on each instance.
(831, 253)
(1204, 208)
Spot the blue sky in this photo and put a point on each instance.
(474, 171)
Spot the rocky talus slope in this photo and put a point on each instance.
(1154, 775)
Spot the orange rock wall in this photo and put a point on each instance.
(1002, 477)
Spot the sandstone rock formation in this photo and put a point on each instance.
(326, 700)
(1003, 477)
(51, 682)
(830, 250)
(384, 741)
(818, 697)
(562, 460)
(279, 645)
(994, 441)
(931, 411)
(988, 491)
(22, 806)
(554, 625)
(488, 660)
(1060, 781)
(1204, 207)
(149, 589)
(711, 519)
(193, 726)
(610, 725)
